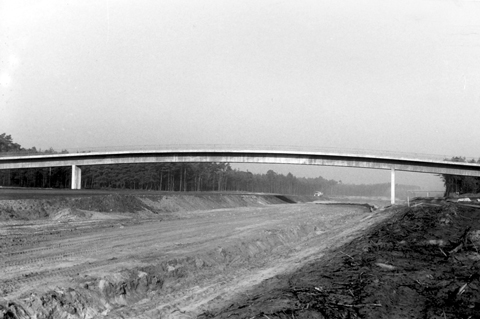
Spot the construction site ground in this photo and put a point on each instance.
(149, 255)
(422, 261)
(146, 255)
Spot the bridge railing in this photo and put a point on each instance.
(244, 147)
(422, 193)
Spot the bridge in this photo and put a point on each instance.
(392, 162)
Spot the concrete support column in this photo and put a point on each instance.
(392, 187)
(76, 177)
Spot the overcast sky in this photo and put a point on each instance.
(392, 75)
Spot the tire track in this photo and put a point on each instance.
(138, 236)
(34, 277)
(13, 265)
(47, 236)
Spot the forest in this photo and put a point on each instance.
(461, 184)
(184, 177)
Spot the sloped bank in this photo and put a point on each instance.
(161, 205)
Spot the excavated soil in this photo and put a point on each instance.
(158, 256)
(237, 256)
(46, 207)
(423, 262)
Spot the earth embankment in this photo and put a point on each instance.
(38, 204)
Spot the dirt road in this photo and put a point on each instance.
(113, 265)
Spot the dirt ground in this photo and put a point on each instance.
(421, 262)
(236, 256)
(158, 256)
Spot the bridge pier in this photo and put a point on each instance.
(392, 186)
(76, 177)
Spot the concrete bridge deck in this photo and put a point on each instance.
(293, 157)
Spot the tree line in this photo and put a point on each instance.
(461, 184)
(183, 177)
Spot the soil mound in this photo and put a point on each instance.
(73, 208)
(55, 207)
(68, 214)
(422, 263)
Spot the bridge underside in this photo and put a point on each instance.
(342, 160)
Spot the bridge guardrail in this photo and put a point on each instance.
(422, 193)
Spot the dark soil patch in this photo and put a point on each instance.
(109, 203)
(285, 199)
(422, 263)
